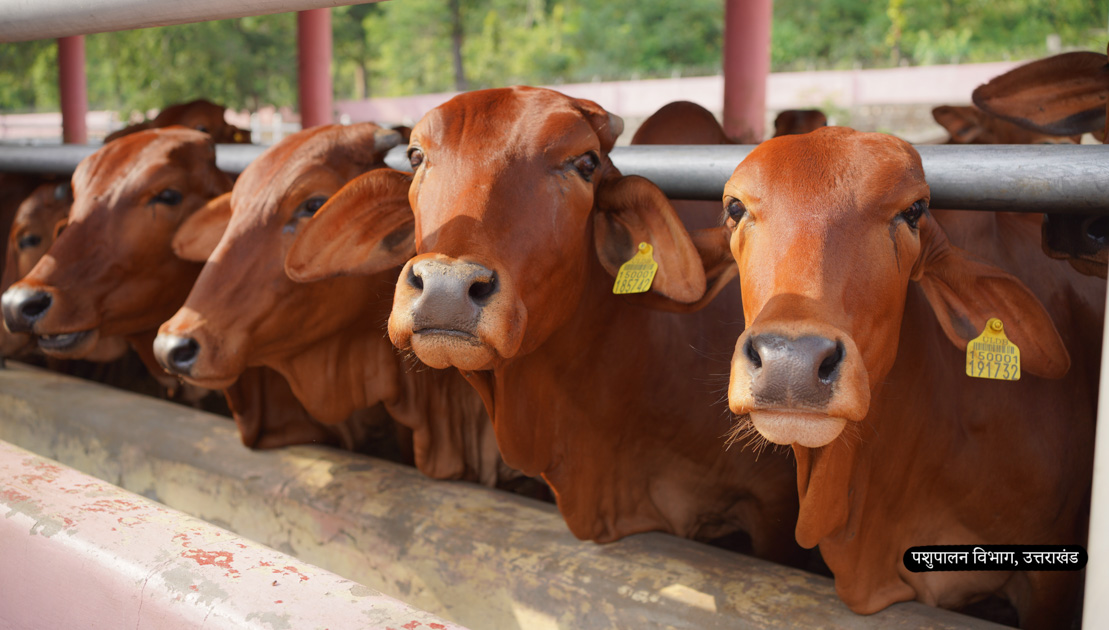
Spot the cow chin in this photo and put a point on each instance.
(74, 345)
(794, 427)
(446, 348)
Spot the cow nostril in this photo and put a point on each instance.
(1098, 229)
(415, 281)
(826, 371)
(480, 290)
(33, 307)
(184, 355)
(752, 354)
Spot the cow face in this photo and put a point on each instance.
(515, 202)
(112, 272)
(244, 310)
(36, 223)
(828, 229)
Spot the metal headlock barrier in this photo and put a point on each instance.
(1012, 178)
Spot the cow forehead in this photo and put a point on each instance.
(316, 161)
(160, 147)
(832, 172)
(505, 124)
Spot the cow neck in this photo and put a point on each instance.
(451, 433)
(334, 376)
(606, 397)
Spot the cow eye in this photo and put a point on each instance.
(586, 164)
(734, 208)
(914, 212)
(202, 128)
(169, 196)
(28, 241)
(415, 158)
(309, 207)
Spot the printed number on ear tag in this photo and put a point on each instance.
(992, 355)
(636, 275)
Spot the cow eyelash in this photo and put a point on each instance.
(913, 213)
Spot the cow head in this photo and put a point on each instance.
(34, 228)
(970, 125)
(1069, 94)
(244, 310)
(112, 272)
(828, 230)
(794, 121)
(201, 115)
(516, 209)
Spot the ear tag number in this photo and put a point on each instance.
(636, 275)
(992, 355)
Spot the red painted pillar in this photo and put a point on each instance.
(314, 59)
(746, 67)
(73, 89)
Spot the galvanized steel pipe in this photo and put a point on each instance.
(1013, 178)
(25, 20)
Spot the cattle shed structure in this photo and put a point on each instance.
(475, 556)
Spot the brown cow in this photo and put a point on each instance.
(244, 311)
(200, 114)
(794, 121)
(1064, 94)
(112, 271)
(521, 222)
(859, 306)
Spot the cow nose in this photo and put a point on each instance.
(22, 307)
(176, 354)
(452, 295)
(793, 372)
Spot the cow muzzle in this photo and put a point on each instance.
(451, 313)
(798, 388)
(23, 307)
(177, 355)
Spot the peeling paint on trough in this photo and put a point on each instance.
(76, 552)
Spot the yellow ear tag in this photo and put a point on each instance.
(992, 355)
(636, 275)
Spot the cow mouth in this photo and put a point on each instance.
(67, 344)
(785, 426)
(446, 347)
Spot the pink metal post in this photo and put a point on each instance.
(72, 88)
(746, 68)
(314, 58)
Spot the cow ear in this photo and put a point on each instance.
(631, 210)
(1062, 95)
(607, 125)
(365, 228)
(199, 234)
(966, 292)
(964, 124)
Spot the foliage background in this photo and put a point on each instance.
(405, 46)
